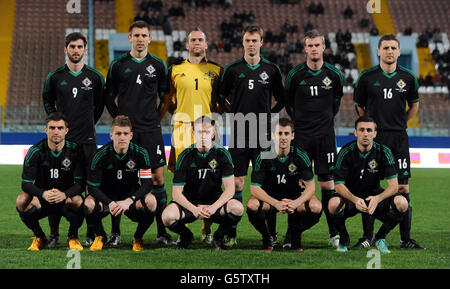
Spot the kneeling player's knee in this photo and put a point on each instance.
(403, 188)
(89, 205)
(150, 202)
(334, 205)
(74, 202)
(253, 204)
(170, 215)
(401, 203)
(315, 206)
(235, 207)
(23, 200)
(239, 183)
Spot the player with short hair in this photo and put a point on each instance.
(138, 80)
(382, 92)
(119, 183)
(313, 94)
(197, 193)
(52, 183)
(250, 83)
(360, 166)
(193, 93)
(76, 90)
(276, 187)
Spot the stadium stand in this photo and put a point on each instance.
(37, 48)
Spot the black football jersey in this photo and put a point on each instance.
(362, 172)
(47, 169)
(314, 95)
(250, 89)
(201, 174)
(79, 96)
(137, 84)
(384, 96)
(118, 176)
(279, 178)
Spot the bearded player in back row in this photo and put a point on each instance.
(76, 90)
(382, 92)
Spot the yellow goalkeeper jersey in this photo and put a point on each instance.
(195, 87)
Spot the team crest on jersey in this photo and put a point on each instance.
(150, 69)
(87, 84)
(373, 165)
(66, 163)
(213, 165)
(210, 74)
(131, 164)
(401, 85)
(327, 81)
(292, 168)
(264, 76)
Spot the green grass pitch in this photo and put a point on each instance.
(431, 228)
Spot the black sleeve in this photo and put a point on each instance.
(99, 93)
(228, 168)
(145, 188)
(98, 194)
(218, 104)
(305, 165)
(258, 173)
(94, 180)
(343, 166)
(29, 173)
(181, 170)
(32, 189)
(79, 176)
(48, 96)
(289, 94)
(278, 91)
(226, 84)
(111, 91)
(359, 93)
(338, 93)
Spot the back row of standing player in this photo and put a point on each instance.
(137, 82)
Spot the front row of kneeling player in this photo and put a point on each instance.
(282, 181)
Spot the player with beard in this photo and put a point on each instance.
(382, 92)
(313, 94)
(76, 90)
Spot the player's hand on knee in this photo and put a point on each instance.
(373, 203)
(58, 196)
(125, 204)
(282, 206)
(210, 210)
(48, 196)
(115, 209)
(361, 205)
